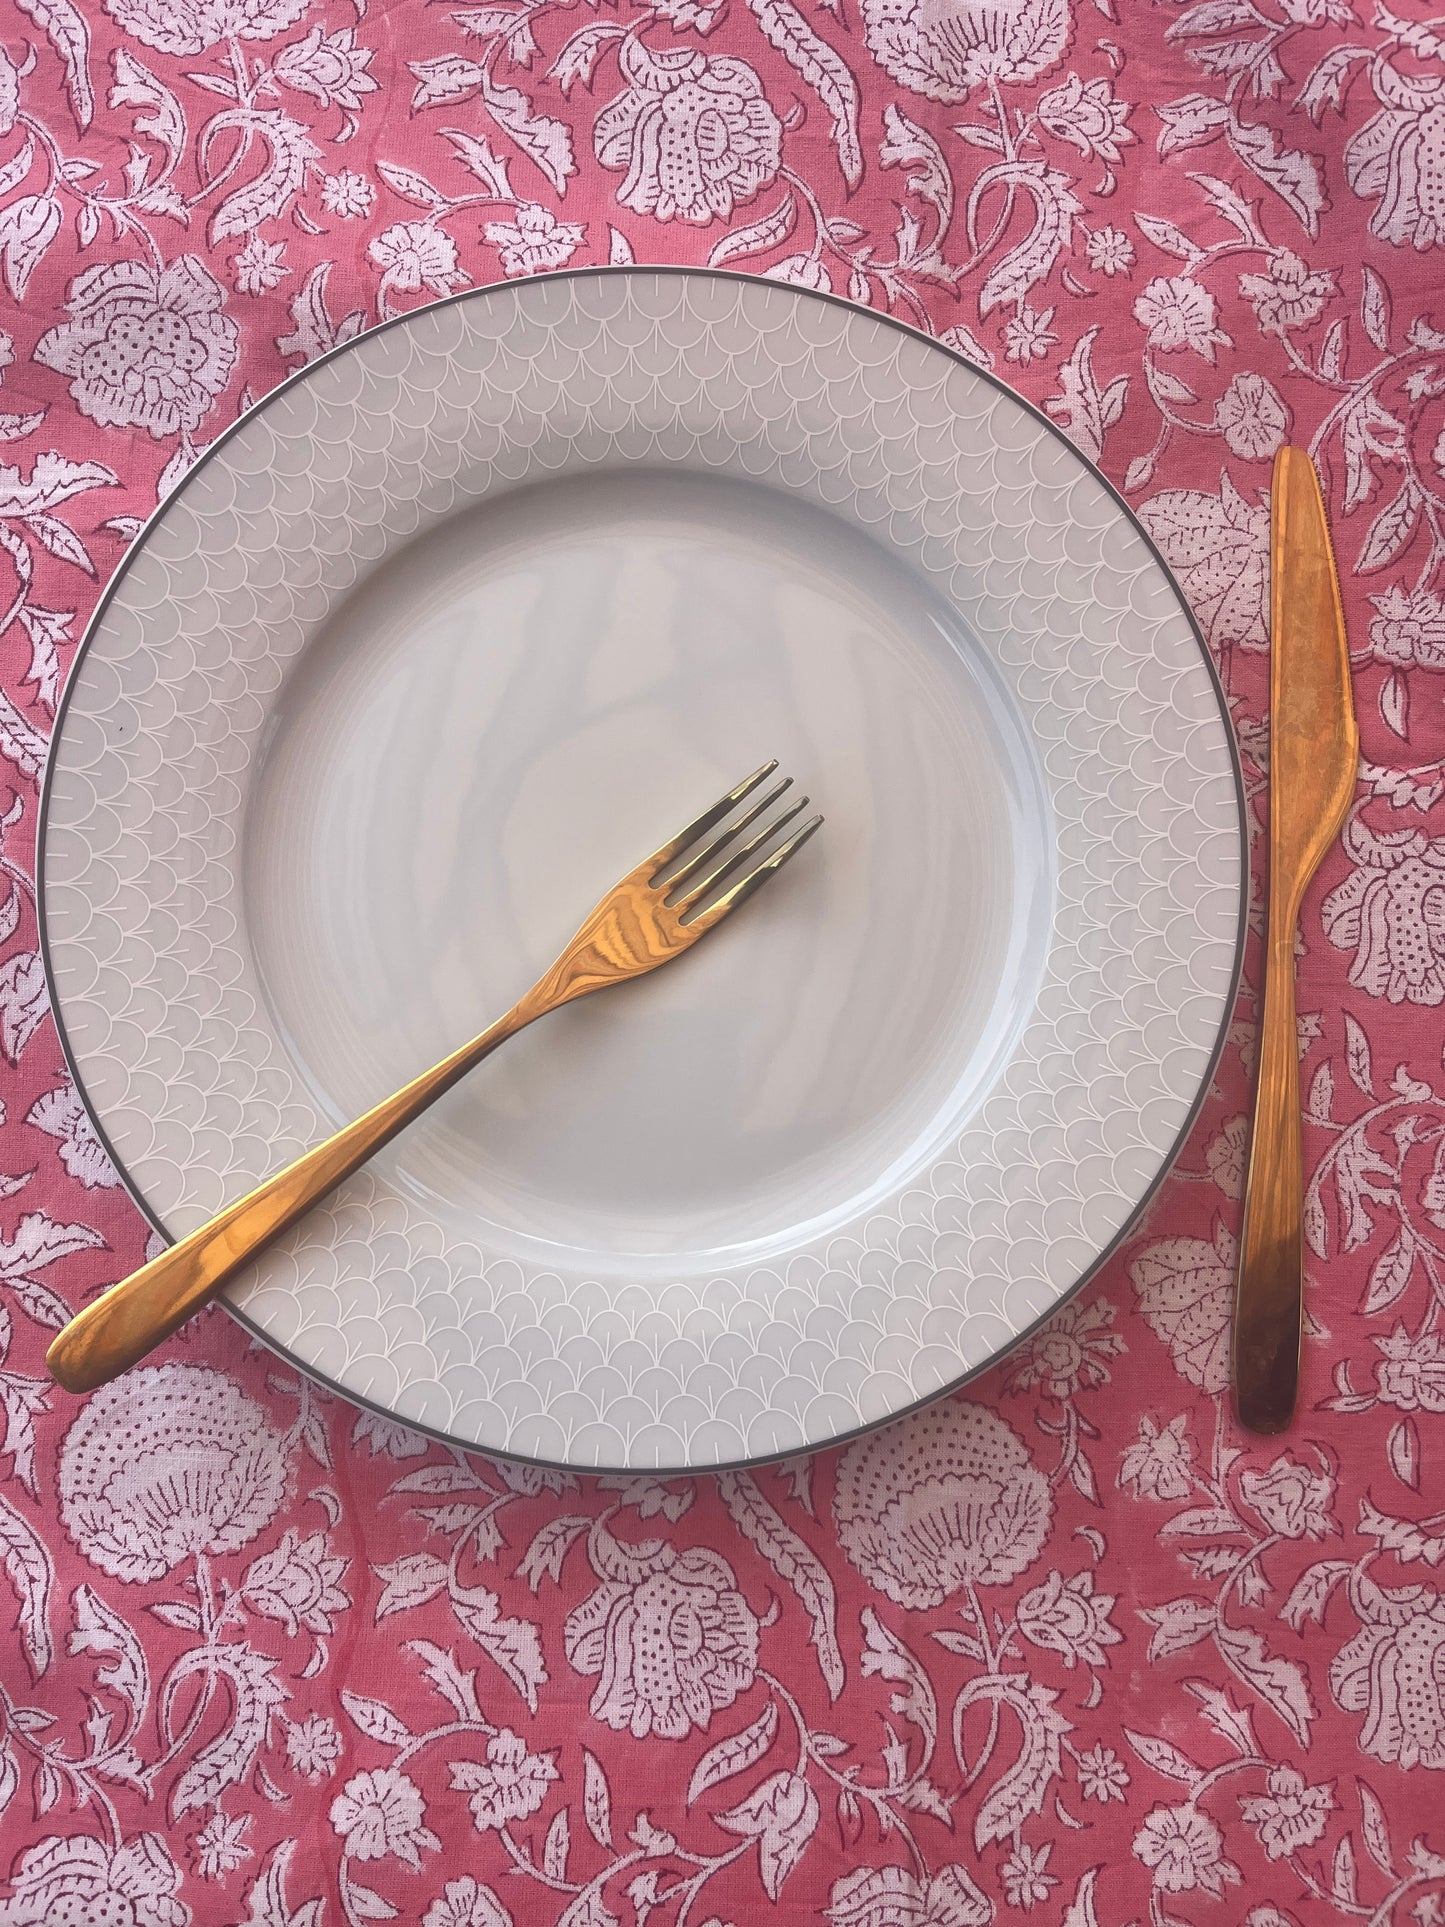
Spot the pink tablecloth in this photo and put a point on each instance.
(1069, 1645)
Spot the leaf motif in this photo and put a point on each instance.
(474, 154)
(274, 188)
(411, 185)
(1230, 1721)
(375, 1719)
(457, 1688)
(543, 1558)
(28, 1567)
(1179, 1624)
(886, 1656)
(1081, 1911)
(23, 996)
(1405, 1453)
(1327, 83)
(825, 71)
(758, 236)
(63, 25)
(734, 1755)
(1165, 1758)
(1294, 176)
(1357, 1056)
(1375, 1831)
(1342, 1875)
(27, 228)
(1322, 1094)
(793, 1561)
(512, 1644)
(913, 148)
(557, 1847)
(444, 80)
(17, 167)
(1201, 1522)
(408, 1582)
(1390, 1273)
(782, 1816)
(1055, 206)
(1391, 530)
(1165, 235)
(596, 1801)
(136, 86)
(1332, 353)
(1023, 1789)
(1279, 1682)
(100, 1629)
(366, 1904)
(227, 1759)
(579, 54)
(546, 142)
(1375, 308)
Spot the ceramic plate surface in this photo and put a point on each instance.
(445, 634)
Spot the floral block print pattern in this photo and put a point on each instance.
(1068, 1647)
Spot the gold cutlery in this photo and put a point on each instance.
(654, 914)
(1314, 753)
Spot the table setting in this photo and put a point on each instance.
(921, 1406)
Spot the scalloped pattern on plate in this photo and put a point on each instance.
(166, 716)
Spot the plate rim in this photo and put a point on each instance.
(1041, 420)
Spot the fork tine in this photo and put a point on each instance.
(671, 851)
(736, 857)
(756, 878)
(727, 833)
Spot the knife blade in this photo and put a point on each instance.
(1314, 756)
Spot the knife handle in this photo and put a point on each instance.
(1267, 1311)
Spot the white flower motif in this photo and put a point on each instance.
(1102, 1774)
(1067, 1617)
(168, 1461)
(1398, 160)
(1028, 336)
(1179, 313)
(1072, 1350)
(221, 1846)
(510, 1785)
(1288, 295)
(1157, 1464)
(1110, 251)
(1393, 1671)
(535, 240)
(330, 67)
(415, 255)
(313, 1746)
(81, 1880)
(61, 1115)
(144, 347)
(947, 1498)
(260, 265)
(190, 26)
(1025, 1879)
(1290, 1815)
(296, 1583)
(381, 1813)
(1086, 114)
(1253, 416)
(897, 1897)
(1411, 1371)
(465, 1904)
(946, 48)
(1408, 628)
(349, 196)
(695, 135)
(669, 1648)
(1185, 1849)
(1291, 1499)
(1391, 911)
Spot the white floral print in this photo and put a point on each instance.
(668, 1649)
(212, 1477)
(509, 1785)
(947, 1499)
(77, 1879)
(381, 1813)
(190, 26)
(144, 348)
(945, 50)
(695, 136)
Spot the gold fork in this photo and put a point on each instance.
(654, 914)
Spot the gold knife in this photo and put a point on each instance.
(1314, 755)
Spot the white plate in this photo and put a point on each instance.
(443, 635)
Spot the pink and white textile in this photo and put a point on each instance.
(1069, 1646)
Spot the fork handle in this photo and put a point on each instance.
(1267, 1311)
(130, 1319)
